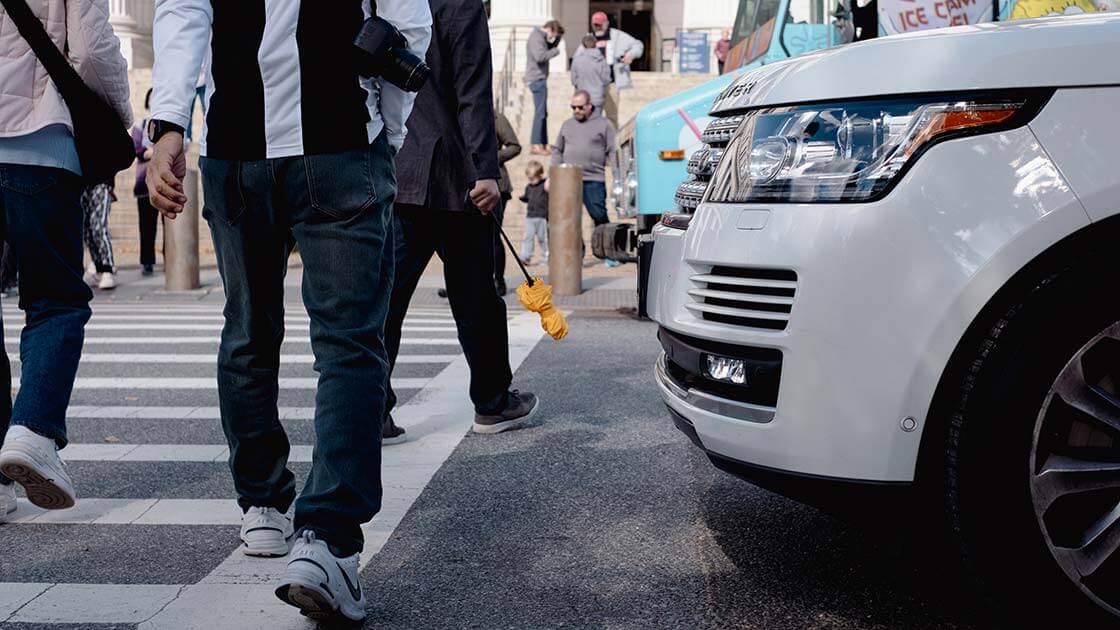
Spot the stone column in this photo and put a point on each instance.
(516, 19)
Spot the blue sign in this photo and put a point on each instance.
(696, 57)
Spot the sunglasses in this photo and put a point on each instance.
(579, 107)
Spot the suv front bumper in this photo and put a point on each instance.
(882, 293)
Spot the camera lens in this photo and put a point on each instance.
(405, 70)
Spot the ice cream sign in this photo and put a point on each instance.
(903, 16)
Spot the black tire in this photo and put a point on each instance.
(990, 435)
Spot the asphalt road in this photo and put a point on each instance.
(600, 515)
(603, 515)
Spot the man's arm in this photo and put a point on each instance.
(558, 149)
(180, 34)
(632, 47)
(612, 153)
(538, 48)
(468, 44)
(414, 20)
(509, 146)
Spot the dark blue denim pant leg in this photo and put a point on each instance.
(341, 219)
(250, 234)
(539, 89)
(595, 200)
(42, 220)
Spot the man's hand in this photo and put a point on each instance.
(485, 195)
(165, 175)
(627, 59)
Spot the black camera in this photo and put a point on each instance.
(383, 52)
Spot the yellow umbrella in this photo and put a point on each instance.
(536, 296)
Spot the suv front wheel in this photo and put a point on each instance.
(1033, 452)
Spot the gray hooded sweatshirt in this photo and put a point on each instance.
(591, 72)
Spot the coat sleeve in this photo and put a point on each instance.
(628, 44)
(95, 52)
(538, 49)
(413, 18)
(612, 152)
(558, 149)
(468, 43)
(180, 34)
(509, 146)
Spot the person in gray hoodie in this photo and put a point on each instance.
(591, 72)
(542, 46)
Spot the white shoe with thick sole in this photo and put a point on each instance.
(265, 532)
(108, 281)
(32, 461)
(322, 585)
(7, 501)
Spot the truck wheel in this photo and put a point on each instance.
(1033, 455)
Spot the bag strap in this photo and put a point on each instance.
(61, 72)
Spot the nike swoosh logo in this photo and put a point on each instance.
(355, 591)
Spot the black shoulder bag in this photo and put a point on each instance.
(104, 146)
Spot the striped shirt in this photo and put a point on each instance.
(281, 80)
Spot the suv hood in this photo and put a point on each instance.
(1047, 52)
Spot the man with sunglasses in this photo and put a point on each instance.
(587, 141)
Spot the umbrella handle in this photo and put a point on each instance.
(516, 256)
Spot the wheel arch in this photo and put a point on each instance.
(1078, 252)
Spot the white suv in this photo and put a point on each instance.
(904, 275)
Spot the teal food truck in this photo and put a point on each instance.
(654, 147)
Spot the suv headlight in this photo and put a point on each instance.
(846, 151)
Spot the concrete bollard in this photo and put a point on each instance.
(180, 241)
(565, 229)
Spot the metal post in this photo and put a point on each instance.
(180, 241)
(565, 230)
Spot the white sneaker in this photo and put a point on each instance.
(7, 501)
(32, 461)
(108, 281)
(265, 532)
(321, 584)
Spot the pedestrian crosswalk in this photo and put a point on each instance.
(153, 539)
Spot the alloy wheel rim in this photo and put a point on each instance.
(1075, 469)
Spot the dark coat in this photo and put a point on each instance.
(451, 141)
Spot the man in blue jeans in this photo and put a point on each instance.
(296, 147)
(543, 44)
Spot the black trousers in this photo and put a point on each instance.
(464, 242)
(500, 248)
(149, 216)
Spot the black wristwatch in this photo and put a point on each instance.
(156, 129)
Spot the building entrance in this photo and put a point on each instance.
(636, 18)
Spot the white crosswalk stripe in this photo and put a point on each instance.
(118, 382)
(181, 450)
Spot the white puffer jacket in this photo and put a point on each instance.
(29, 100)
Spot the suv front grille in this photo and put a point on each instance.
(744, 297)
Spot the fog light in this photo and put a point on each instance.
(725, 369)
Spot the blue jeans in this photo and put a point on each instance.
(595, 200)
(539, 89)
(338, 209)
(42, 221)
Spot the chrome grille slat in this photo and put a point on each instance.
(743, 297)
